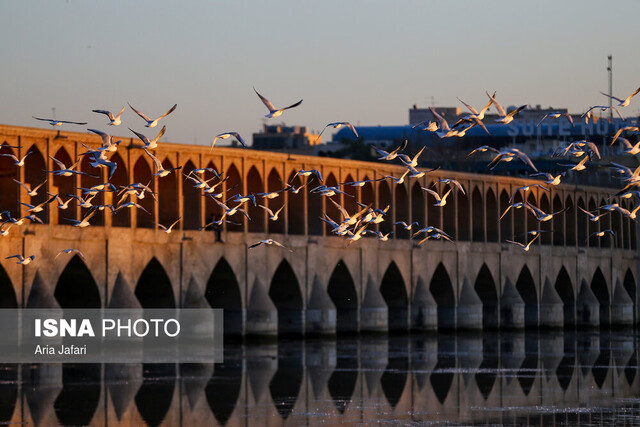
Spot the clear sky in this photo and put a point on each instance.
(364, 61)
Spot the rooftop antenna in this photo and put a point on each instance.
(610, 72)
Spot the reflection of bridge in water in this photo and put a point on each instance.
(518, 378)
(567, 278)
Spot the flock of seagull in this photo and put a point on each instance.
(351, 225)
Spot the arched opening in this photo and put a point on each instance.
(546, 226)
(274, 183)
(223, 291)
(527, 289)
(558, 222)
(633, 233)
(464, 219)
(449, 213)
(191, 201)
(80, 383)
(485, 287)
(256, 213)
(142, 174)
(295, 207)
(286, 382)
(582, 223)
(9, 190)
(94, 177)
(601, 291)
(442, 291)
(154, 396)
(616, 227)
(8, 297)
(384, 200)
(76, 287)
(519, 228)
(625, 227)
(168, 196)
(154, 289)
(223, 389)
(119, 179)
(532, 221)
(234, 186)
(315, 206)
(367, 195)
(394, 292)
(630, 286)
(211, 208)
(350, 199)
(402, 211)
(593, 226)
(507, 220)
(433, 212)
(342, 291)
(570, 218)
(332, 210)
(605, 224)
(477, 215)
(417, 206)
(564, 287)
(492, 216)
(64, 185)
(34, 175)
(285, 294)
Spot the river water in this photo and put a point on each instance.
(516, 378)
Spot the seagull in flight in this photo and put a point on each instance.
(273, 216)
(269, 242)
(152, 122)
(54, 122)
(337, 125)
(528, 245)
(593, 217)
(273, 111)
(557, 114)
(623, 102)
(16, 161)
(168, 229)
(449, 181)
(85, 220)
(30, 192)
(483, 149)
(153, 143)
(226, 135)
(70, 251)
(602, 233)
(619, 132)
(162, 172)
(440, 201)
(551, 180)
(22, 260)
(508, 155)
(113, 120)
(526, 188)
(504, 117)
(303, 172)
(384, 155)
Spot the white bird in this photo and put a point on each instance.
(70, 251)
(444, 130)
(381, 237)
(328, 191)
(629, 214)
(62, 205)
(623, 102)
(508, 155)
(85, 220)
(162, 172)
(303, 172)
(628, 148)
(168, 229)
(273, 111)
(619, 132)
(557, 114)
(16, 161)
(577, 167)
(5, 231)
(593, 217)
(410, 162)
(22, 260)
(152, 123)
(337, 125)
(150, 144)
(384, 155)
(436, 236)
(517, 205)
(226, 135)
(272, 216)
(113, 120)
(54, 122)
(269, 242)
(440, 201)
(503, 116)
(405, 225)
(130, 205)
(231, 211)
(399, 180)
(551, 180)
(588, 114)
(528, 245)
(541, 215)
(427, 125)
(525, 189)
(30, 192)
(107, 141)
(482, 149)
(602, 233)
(452, 182)
(67, 171)
(37, 208)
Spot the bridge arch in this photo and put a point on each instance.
(234, 186)
(211, 208)
(564, 288)
(332, 210)
(417, 206)
(385, 199)
(582, 223)
(120, 178)
(629, 284)
(605, 224)
(168, 196)
(592, 227)
(625, 226)
(532, 222)
(442, 291)
(570, 219)
(526, 286)
(600, 289)
(295, 205)
(449, 213)
(464, 217)
(486, 289)
(34, 175)
(492, 216)
(507, 220)
(10, 191)
(8, 297)
(274, 183)
(284, 291)
(223, 291)
(76, 287)
(142, 174)
(545, 238)
(351, 197)
(402, 211)
(94, 177)
(191, 201)
(154, 289)
(315, 205)
(519, 215)
(256, 213)
(394, 292)
(477, 217)
(64, 185)
(433, 212)
(342, 291)
(558, 222)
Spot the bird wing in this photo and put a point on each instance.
(168, 112)
(59, 163)
(291, 106)
(154, 140)
(266, 102)
(473, 110)
(139, 113)
(352, 129)
(270, 212)
(44, 120)
(108, 113)
(501, 111)
(106, 138)
(516, 111)
(239, 138)
(142, 138)
(156, 161)
(72, 123)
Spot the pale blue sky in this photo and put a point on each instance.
(362, 61)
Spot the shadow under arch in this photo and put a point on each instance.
(76, 287)
(34, 175)
(394, 378)
(191, 201)
(65, 186)
(527, 289)
(223, 389)
(601, 291)
(8, 298)
(285, 293)
(342, 291)
(629, 284)
(564, 288)
(485, 287)
(394, 292)
(442, 291)
(142, 174)
(155, 395)
(286, 382)
(9, 190)
(154, 289)
(342, 382)
(223, 291)
(120, 178)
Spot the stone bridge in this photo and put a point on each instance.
(324, 286)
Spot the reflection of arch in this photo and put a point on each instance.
(477, 218)
(223, 292)
(601, 291)
(442, 291)
(527, 289)
(394, 378)
(506, 221)
(76, 287)
(295, 207)
(384, 200)
(285, 294)
(34, 175)
(234, 186)
(191, 201)
(153, 289)
(417, 205)
(582, 223)
(558, 222)
(64, 185)
(120, 178)
(9, 389)
(80, 383)
(564, 287)
(286, 382)
(168, 196)
(394, 292)
(8, 297)
(342, 291)
(9, 191)
(630, 286)
(342, 382)
(256, 213)
(485, 287)
(154, 396)
(570, 217)
(442, 376)
(464, 228)
(492, 216)
(224, 386)
(486, 377)
(142, 174)
(274, 183)
(402, 211)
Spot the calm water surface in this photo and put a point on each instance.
(484, 379)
